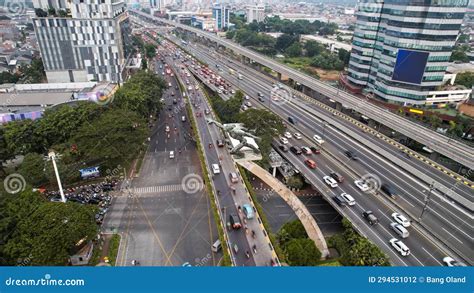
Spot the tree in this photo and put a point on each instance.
(294, 229)
(294, 50)
(344, 56)
(230, 34)
(33, 169)
(51, 232)
(40, 12)
(302, 252)
(327, 62)
(21, 137)
(51, 11)
(313, 48)
(7, 77)
(435, 121)
(62, 13)
(113, 138)
(141, 94)
(34, 73)
(295, 181)
(465, 79)
(285, 40)
(228, 110)
(144, 65)
(150, 51)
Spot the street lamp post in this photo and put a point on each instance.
(427, 200)
(52, 156)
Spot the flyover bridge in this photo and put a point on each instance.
(439, 143)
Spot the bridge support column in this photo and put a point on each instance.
(274, 172)
(338, 106)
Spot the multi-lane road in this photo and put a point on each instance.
(229, 202)
(455, 150)
(450, 223)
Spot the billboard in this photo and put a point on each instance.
(91, 172)
(410, 66)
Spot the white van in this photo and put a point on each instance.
(171, 154)
(216, 246)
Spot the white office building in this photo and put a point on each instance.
(255, 13)
(88, 45)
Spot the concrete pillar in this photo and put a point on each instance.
(274, 172)
(338, 106)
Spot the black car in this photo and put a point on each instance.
(283, 148)
(339, 200)
(234, 221)
(291, 120)
(296, 150)
(220, 143)
(351, 155)
(390, 191)
(337, 176)
(261, 99)
(370, 217)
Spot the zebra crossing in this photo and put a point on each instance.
(157, 189)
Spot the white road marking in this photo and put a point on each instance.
(452, 235)
(431, 255)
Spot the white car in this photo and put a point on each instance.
(215, 169)
(401, 219)
(247, 97)
(400, 246)
(318, 139)
(330, 181)
(362, 185)
(348, 198)
(283, 140)
(171, 154)
(219, 91)
(167, 128)
(287, 135)
(298, 136)
(451, 262)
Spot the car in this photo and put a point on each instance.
(219, 91)
(339, 200)
(283, 140)
(370, 217)
(183, 118)
(295, 150)
(318, 139)
(261, 99)
(315, 150)
(171, 154)
(389, 190)
(244, 108)
(348, 198)
(401, 219)
(351, 155)
(248, 104)
(307, 151)
(56, 199)
(400, 230)
(167, 128)
(233, 177)
(362, 185)
(451, 262)
(235, 221)
(291, 120)
(215, 169)
(310, 163)
(283, 148)
(287, 135)
(220, 143)
(259, 94)
(246, 97)
(400, 247)
(232, 92)
(298, 135)
(174, 100)
(337, 176)
(207, 112)
(169, 84)
(330, 181)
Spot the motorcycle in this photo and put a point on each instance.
(254, 248)
(253, 234)
(247, 254)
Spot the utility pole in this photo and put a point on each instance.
(52, 157)
(427, 200)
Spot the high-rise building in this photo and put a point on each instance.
(221, 15)
(87, 45)
(401, 49)
(255, 13)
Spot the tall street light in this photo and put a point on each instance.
(427, 200)
(52, 157)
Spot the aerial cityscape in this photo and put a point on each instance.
(194, 133)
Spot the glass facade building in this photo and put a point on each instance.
(401, 48)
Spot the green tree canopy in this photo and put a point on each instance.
(466, 79)
(313, 48)
(302, 252)
(49, 234)
(294, 50)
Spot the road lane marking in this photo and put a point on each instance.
(431, 255)
(452, 235)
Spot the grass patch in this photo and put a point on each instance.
(113, 248)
